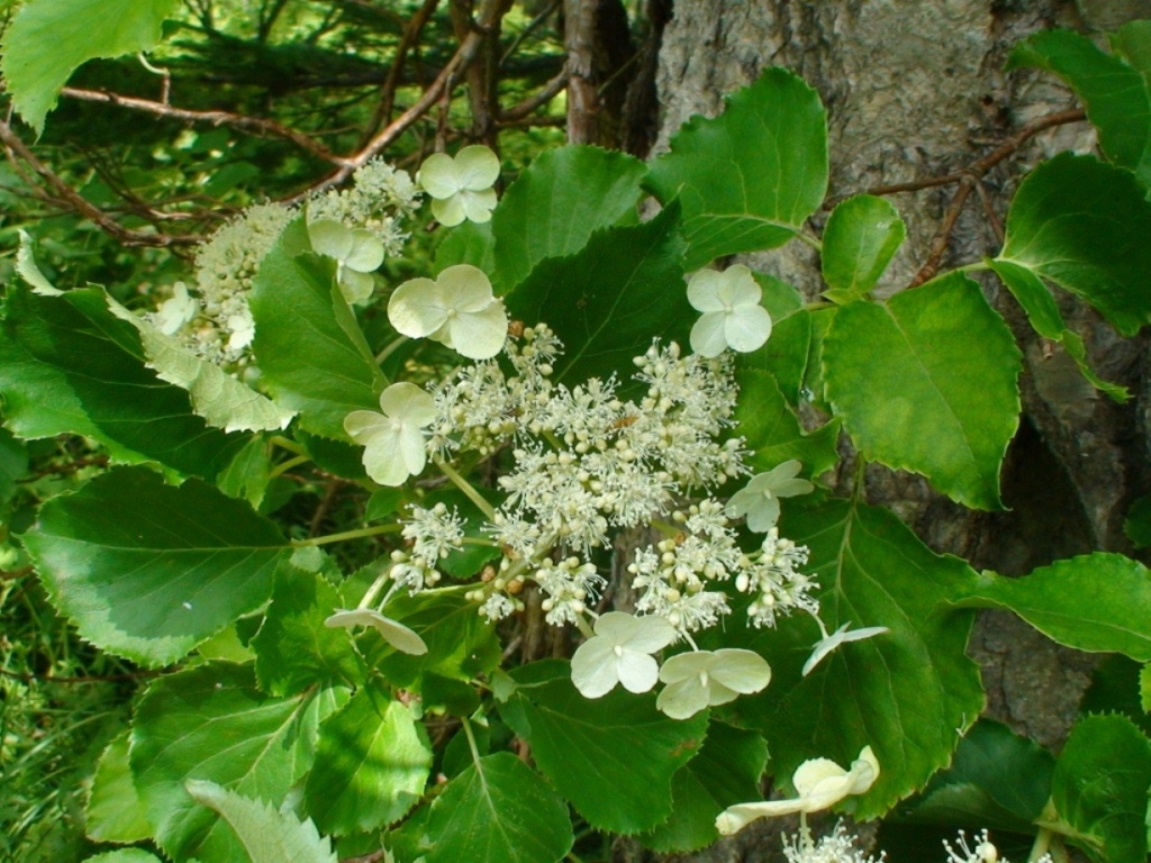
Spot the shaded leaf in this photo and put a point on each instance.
(114, 813)
(862, 235)
(773, 432)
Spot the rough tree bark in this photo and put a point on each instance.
(914, 89)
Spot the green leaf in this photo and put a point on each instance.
(469, 243)
(294, 649)
(268, 835)
(13, 464)
(148, 571)
(114, 813)
(785, 354)
(49, 39)
(1117, 618)
(1138, 523)
(372, 764)
(915, 395)
(998, 780)
(1117, 96)
(607, 301)
(612, 757)
(909, 693)
(1083, 224)
(29, 270)
(725, 772)
(217, 396)
(210, 722)
(68, 366)
(1100, 789)
(248, 474)
(1145, 688)
(309, 347)
(557, 204)
(498, 811)
(461, 642)
(862, 235)
(772, 430)
(749, 178)
(124, 855)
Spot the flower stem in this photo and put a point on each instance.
(390, 349)
(471, 740)
(467, 488)
(347, 534)
(285, 466)
(288, 444)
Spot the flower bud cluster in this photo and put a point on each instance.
(772, 576)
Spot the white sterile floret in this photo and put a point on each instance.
(620, 652)
(702, 679)
(395, 633)
(982, 852)
(830, 642)
(820, 783)
(458, 309)
(836, 847)
(394, 441)
(174, 313)
(732, 316)
(358, 253)
(461, 188)
(759, 499)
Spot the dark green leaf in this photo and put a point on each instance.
(69, 366)
(1138, 523)
(748, 179)
(1100, 789)
(555, 206)
(1083, 224)
(147, 570)
(913, 393)
(772, 430)
(725, 772)
(310, 349)
(13, 464)
(114, 813)
(49, 39)
(469, 243)
(607, 302)
(862, 235)
(1117, 97)
(372, 763)
(248, 474)
(498, 811)
(612, 757)
(212, 723)
(1052, 599)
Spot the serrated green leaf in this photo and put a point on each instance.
(294, 649)
(30, 271)
(309, 347)
(997, 779)
(124, 855)
(1083, 224)
(248, 474)
(1100, 789)
(1145, 688)
(68, 366)
(749, 178)
(49, 39)
(1116, 619)
(913, 393)
(785, 353)
(372, 763)
(557, 204)
(498, 811)
(267, 834)
(1117, 96)
(612, 757)
(221, 399)
(772, 430)
(862, 235)
(147, 570)
(210, 722)
(469, 243)
(13, 464)
(725, 772)
(606, 302)
(909, 694)
(114, 813)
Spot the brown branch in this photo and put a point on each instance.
(412, 30)
(583, 99)
(76, 202)
(531, 104)
(242, 122)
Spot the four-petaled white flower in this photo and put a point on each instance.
(819, 782)
(620, 652)
(759, 499)
(177, 311)
(458, 309)
(703, 679)
(395, 633)
(461, 188)
(829, 642)
(732, 316)
(358, 253)
(394, 443)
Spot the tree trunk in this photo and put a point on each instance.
(916, 89)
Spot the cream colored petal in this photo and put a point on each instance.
(742, 671)
(395, 633)
(737, 287)
(449, 212)
(383, 460)
(686, 666)
(439, 176)
(366, 253)
(478, 206)
(650, 634)
(594, 668)
(735, 818)
(703, 291)
(684, 698)
(763, 514)
(413, 452)
(416, 308)
(707, 337)
(747, 328)
(330, 238)
(409, 402)
(362, 426)
(812, 772)
(465, 288)
(480, 335)
(637, 671)
(477, 167)
(356, 288)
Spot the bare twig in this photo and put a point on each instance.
(387, 104)
(548, 92)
